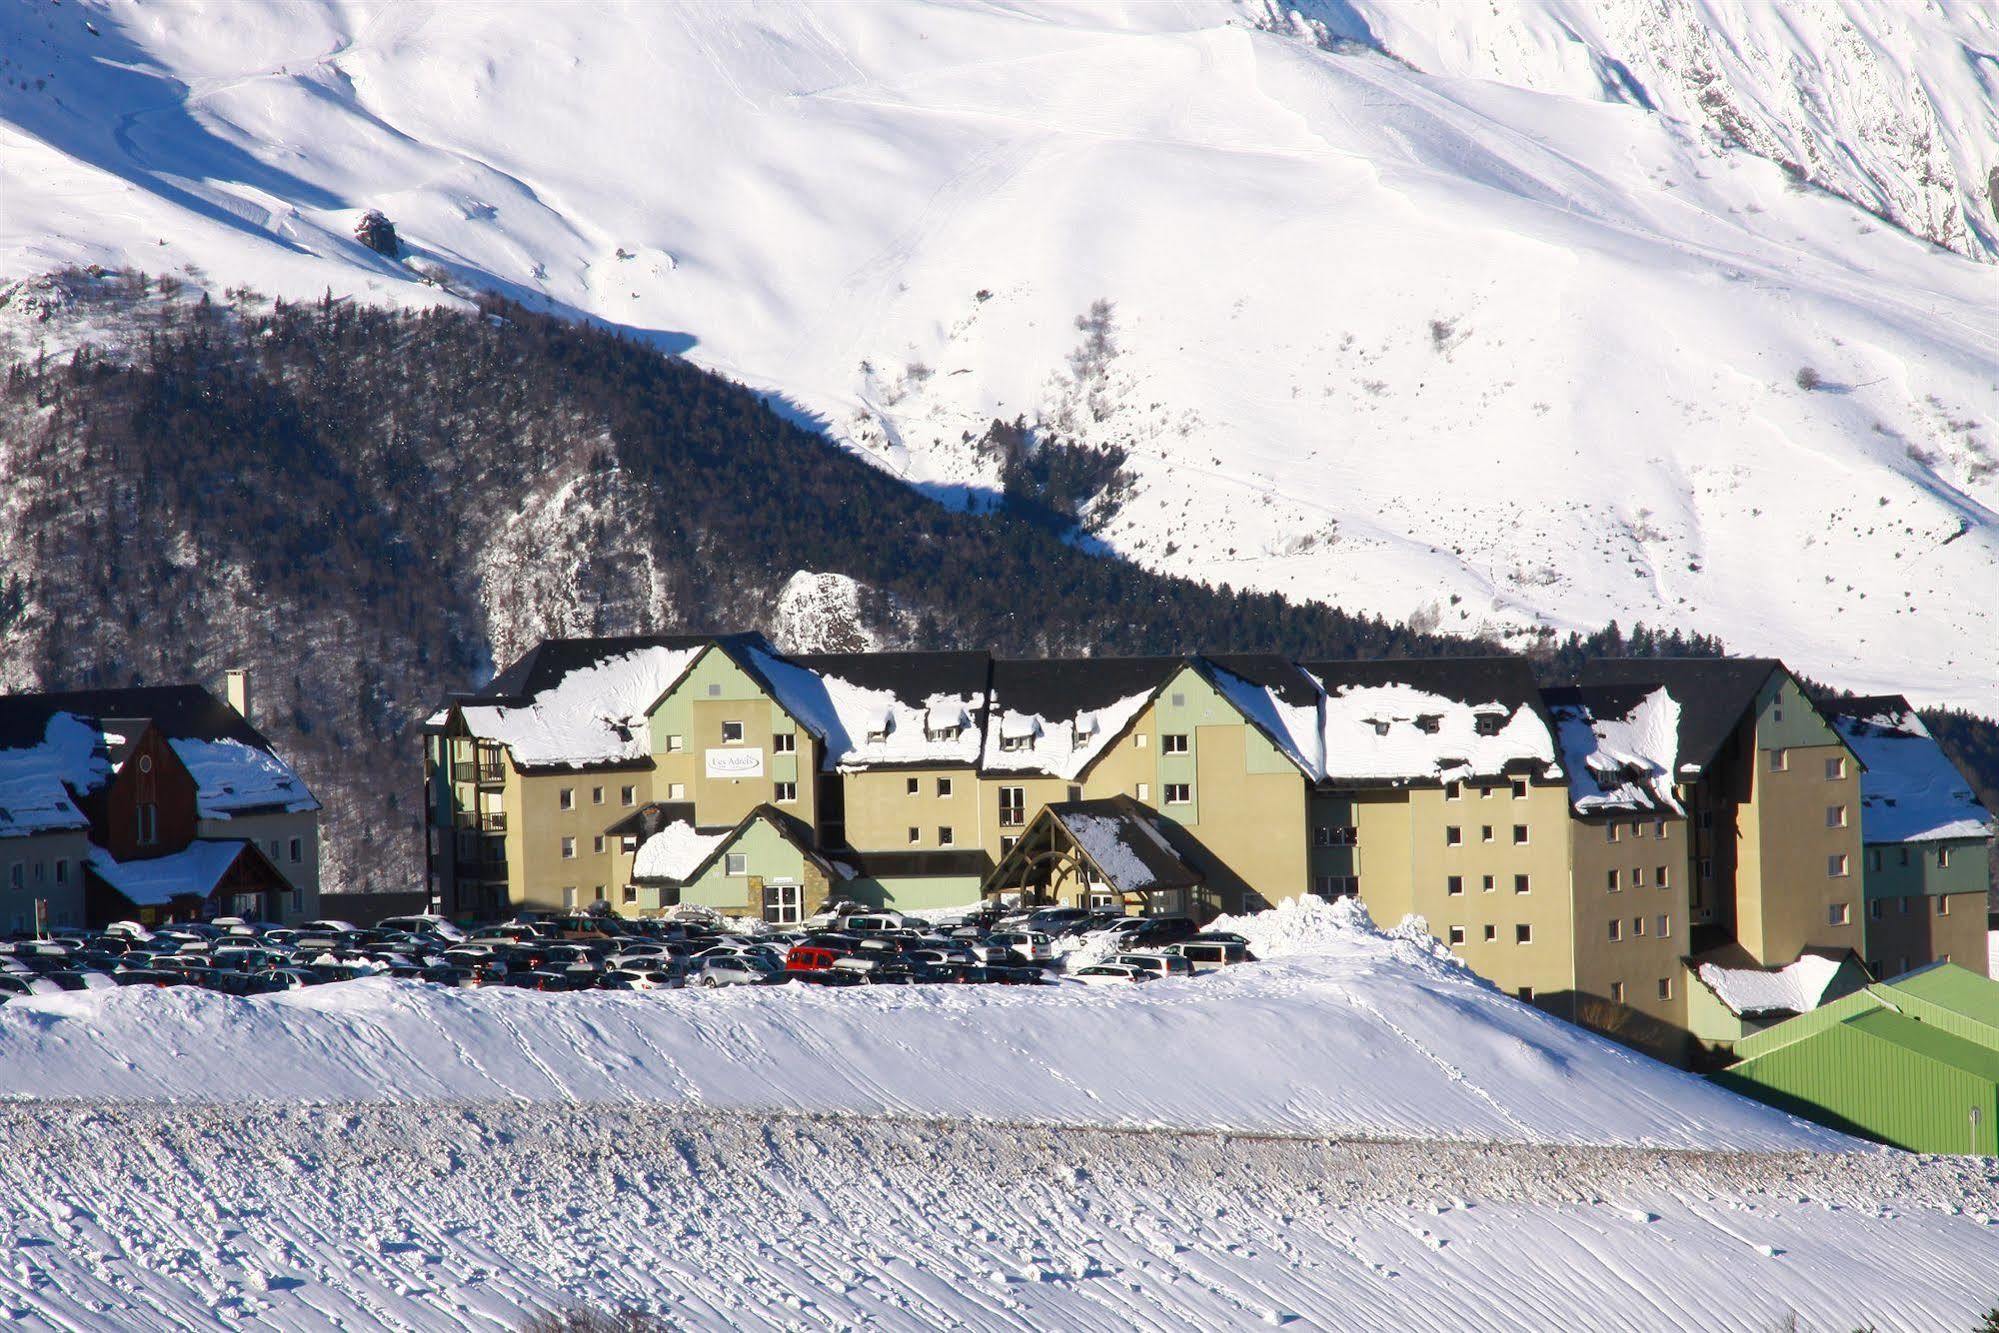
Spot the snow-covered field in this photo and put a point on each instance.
(1507, 328)
(1356, 1134)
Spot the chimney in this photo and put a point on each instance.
(236, 688)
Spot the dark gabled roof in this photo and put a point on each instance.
(650, 818)
(1056, 687)
(1280, 675)
(543, 666)
(1114, 832)
(1467, 680)
(910, 677)
(1714, 693)
(1866, 706)
(181, 712)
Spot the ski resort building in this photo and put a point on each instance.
(1589, 847)
(153, 805)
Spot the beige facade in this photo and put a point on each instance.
(918, 809)
(41, 875)
(291, 843)
(1914, 930)
(1632, 923)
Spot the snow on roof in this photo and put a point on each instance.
(1103, 838)
(232, 778)
(1618, 760)
(1061, 746)
(1749, 991)
(594, 714)
(861, 727)
(192, 872)
(1910, 791)
(36, 780)
(1398, 733)
(1294, 727)
(675, 852)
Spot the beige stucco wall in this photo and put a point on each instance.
(1640, 961)
(538, 874)
(881, 810)
(1911, 932)
(1036, 792)
(37, 858)
(274, 833)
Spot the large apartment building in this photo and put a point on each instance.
(1591, 848)
(149, 804)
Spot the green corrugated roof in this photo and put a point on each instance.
(1930, 1042)
(1958, 989)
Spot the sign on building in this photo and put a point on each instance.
(735, 763)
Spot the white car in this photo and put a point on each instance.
(1159, 965)
(1113, 974)
(875, 921)
(1010, 946)
(736, 970)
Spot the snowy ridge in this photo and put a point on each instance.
(1909, 789)
(593, 715)
(1795, 988)
(1399, 733)
(1511, 339)
(1269, 1047)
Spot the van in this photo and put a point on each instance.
(811, 958)
(1212, 955)
(874, 922)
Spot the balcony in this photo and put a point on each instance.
(492, 821)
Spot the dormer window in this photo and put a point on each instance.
(1017, 732)
(880, 727)
(943, 722)
(1016, 742)
(1488, 724)
(1429, 723)
(1380, 725)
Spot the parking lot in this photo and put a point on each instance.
(588, 952)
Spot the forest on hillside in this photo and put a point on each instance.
(368, 507)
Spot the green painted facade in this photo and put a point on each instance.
(766, 854)
(715, 677)
(1187, 704)
(914, 893)
(1926, 869)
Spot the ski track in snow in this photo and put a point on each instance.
(472, 1216)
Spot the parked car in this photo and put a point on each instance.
(744, 969)
(445, 974)
(1025, 946)
(1160, 965)
(141, 976)
(811, 958)
(832, 976)
(871, 922)
(81, 980)
(1112, 974)
(1157, 930)
(1208, 954)
(423, 923)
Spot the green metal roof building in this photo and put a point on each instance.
(1912, 1062)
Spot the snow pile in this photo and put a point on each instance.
(36, 780)
(1620, 763)
(860, 727)
(593, 715)
(191, 872)
(1265, 1047)
(1398, 733)
(1030, 743)
(234, 778)
(675, 852)
(1796, 988)
(1309, 926)
(1909, 789)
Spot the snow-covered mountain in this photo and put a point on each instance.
(1532, 316)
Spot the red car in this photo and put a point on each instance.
(810, 958)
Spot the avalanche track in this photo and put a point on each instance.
(479, 1215)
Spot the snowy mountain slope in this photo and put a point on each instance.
(1431, 344)
(1267, 1047)
(428, 1218)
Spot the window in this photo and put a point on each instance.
(1780, 760)
(1173, 743)
(915, 836)
(781, 904)
(1617, 992)
(1943, 858)
(16, 876)
(1179, 793)
(1179, 701)
(1638, 877)
(785, 793)
(1322, 836)
(272, 853)
(735, 863)
(1521, 884)
(1874, 910)
(1874, 858)
(1487, 884)
(1008, 843)
(1457, 935)
(569, 849)
(1943, 905)
(1485, 791)
(1835, 816)
(1638, 925)
(732, 733)
(714, 691)
(944, 837)
(676, 791)
(62, 872)
(1453, 835)
(1487, 724)
(1610, 831)
(597, 844)
(1616, 929)
(784, 742)
(1835, 769)
(1453, 791)
(628, 795)
(1143, 791)
(943, 786)
(1659, 876)
(297, 850)
(1637, 829)
(1485, 833)
(1520, 789)
(1526, 992)
(1323, 886)
(569, 898)
(1519, 834)
(1665, 988)
(566, 799)
(1903, 859)
(912, 786)
(1523, 934)
(149, 823)
(1665, 926)
(1455, 885)
(1139, 740)
(675, 744)
(1835, 866)
(596, 796)
(1707, 820)
(1901, 907)
(1012, 806)
(1707, 867)
(631, 894)
(1336, 835)
(1614, 876)
(1837, 914)
(1491, 934)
